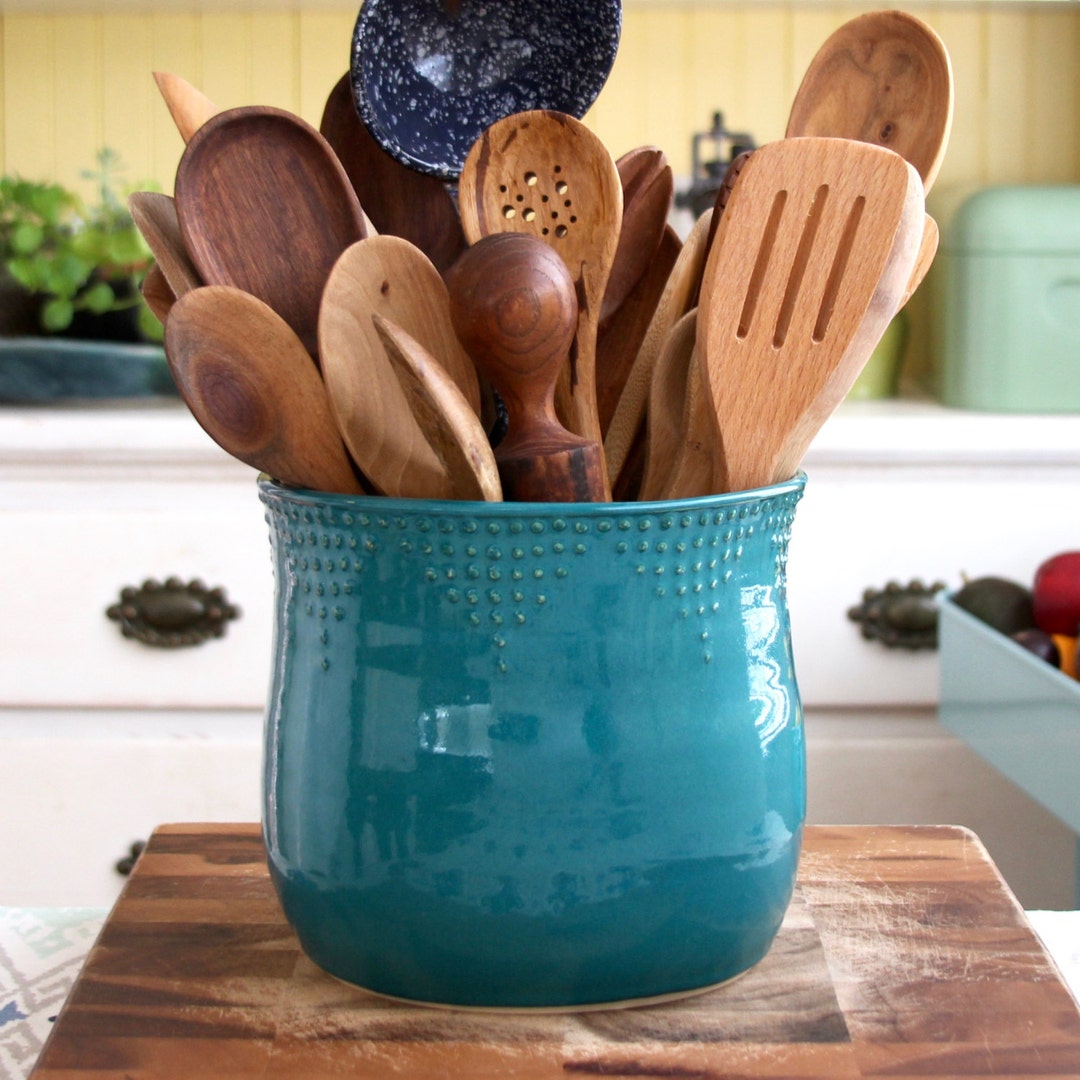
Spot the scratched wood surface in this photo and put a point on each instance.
(903, 955)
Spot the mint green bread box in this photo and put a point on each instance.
(1007, 303)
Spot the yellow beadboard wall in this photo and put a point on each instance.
(71, 82)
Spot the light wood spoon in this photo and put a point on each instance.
(388, 276)
(665, 423)
(883, 77)
(190, 108)
(815, 248)
(679, 297)
(514, 307)
(250, 383)
(265, 205)
(648, 185)
(155, 217)
(546, 174)
(448, 421)
(620, 338)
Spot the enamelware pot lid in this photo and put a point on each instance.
(429, 76)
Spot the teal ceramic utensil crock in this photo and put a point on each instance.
(527, 755)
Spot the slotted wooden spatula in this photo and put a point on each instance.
(811, 257)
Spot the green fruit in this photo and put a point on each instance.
(1005, 605)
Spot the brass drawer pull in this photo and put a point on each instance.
(900, 616)
(172, 614)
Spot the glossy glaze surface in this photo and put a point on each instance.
(525, 755)
(429, 76)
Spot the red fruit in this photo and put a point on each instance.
(1055, 594)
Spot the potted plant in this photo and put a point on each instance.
(73, 322)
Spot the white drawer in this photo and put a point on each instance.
(67, 553)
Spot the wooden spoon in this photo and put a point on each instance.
(189, 108)
(448, 421)
(388, 276)
(679, 297)
(927, 251)
(665, 424)
(884, 77)
(620, 338)
(514, 307)
(648, 185)
(398, 200)
(815, 247)
(155, 217)
(546, 174)
(265, 205)
(251, 385)
(157, 293)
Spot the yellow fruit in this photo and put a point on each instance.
(1067, 646)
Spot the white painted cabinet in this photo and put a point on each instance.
(102, 737)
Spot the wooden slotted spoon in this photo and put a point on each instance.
(814, 250)
(547, 174)
(264, 205)
(251, 385)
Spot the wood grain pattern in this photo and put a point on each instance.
(902, 955)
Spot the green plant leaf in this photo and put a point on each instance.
(26, 237)
(99, 298)
(56, 315)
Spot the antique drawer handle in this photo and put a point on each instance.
(900, 616)
(174, 613)
(125, 865)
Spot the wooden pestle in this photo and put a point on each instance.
(514, 308)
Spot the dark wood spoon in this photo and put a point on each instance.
(265, 206)
(398, 200)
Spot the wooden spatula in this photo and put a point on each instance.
(449, 422)
(814, 251)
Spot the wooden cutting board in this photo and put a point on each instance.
(903, 955)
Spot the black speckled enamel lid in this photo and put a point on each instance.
(430, 76)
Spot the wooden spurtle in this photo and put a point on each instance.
(547, 175)
(264, 205)
(250, 383)
(814, 250)
(448, 421)
(190, 108)
(885, 78)
(514, 307)
(388, 276)
(398, 200)
(155, 217)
